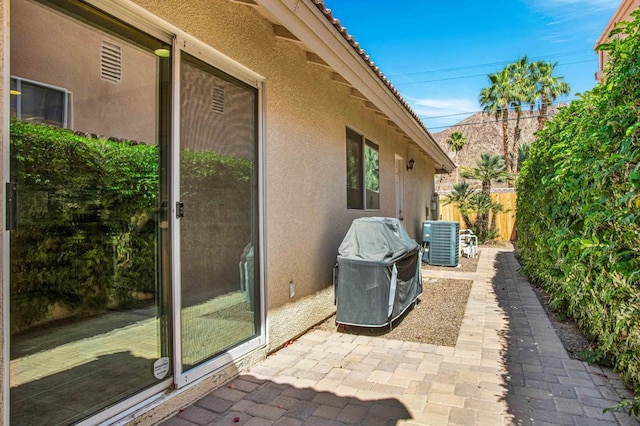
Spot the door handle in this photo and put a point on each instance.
(12, 206)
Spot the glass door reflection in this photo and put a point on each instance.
(89, 312)
(218, 228)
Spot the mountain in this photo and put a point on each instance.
(484, 134)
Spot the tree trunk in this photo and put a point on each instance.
(479, 225)
(486, 188)
(516, 139)
(455, 155)
(543, 111)
(467, 221)
(505, 138)
(492, 227)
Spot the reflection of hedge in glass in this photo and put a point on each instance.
(86, 223)
(86, 233)
(218, 207)
(353, 165)
(372, 180)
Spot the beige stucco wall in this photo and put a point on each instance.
(306, 115)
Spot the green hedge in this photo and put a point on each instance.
(86, 237)
(578, 209)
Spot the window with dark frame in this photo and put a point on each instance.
(363, 173)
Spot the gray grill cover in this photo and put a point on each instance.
(378, 273)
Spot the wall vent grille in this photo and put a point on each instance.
(217, 100)
(111, 62)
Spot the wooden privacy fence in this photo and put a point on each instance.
(505, 222)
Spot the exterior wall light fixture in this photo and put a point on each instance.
(162, 52)
(411, 164)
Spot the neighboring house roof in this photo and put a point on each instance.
(622, 13)
(329, 44)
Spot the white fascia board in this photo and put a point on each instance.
(304, 20)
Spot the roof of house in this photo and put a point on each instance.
(356, 46)
(328, 43)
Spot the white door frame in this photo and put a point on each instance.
(399, 186)
(184, 43)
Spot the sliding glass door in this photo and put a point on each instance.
(217, 211)
(89, 242)
(133, 212)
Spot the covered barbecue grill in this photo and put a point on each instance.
(378, 272)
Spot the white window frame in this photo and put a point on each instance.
(65, 99)
(364, 142)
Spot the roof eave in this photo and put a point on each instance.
(308, 23)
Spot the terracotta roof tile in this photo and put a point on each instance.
(356, 46)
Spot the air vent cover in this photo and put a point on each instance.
(111, 62)
(217, 100)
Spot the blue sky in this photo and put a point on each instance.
(438, 53)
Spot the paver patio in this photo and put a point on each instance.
(508, 368)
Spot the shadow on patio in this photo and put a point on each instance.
(264, 401)
(543, 384)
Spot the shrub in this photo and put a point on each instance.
(579, 208)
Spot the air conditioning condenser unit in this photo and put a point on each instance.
(441, 240)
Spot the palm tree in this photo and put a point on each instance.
(462, 197)
(548, 87)
(456, 142)
(495, 100)
(489, 168)
(495, 209)
(523, 93)
(482, 203)
(523, 153)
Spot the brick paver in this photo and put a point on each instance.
(508, 368)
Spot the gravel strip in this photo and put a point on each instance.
(436, 318)
(465, 264)
(438, 315)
